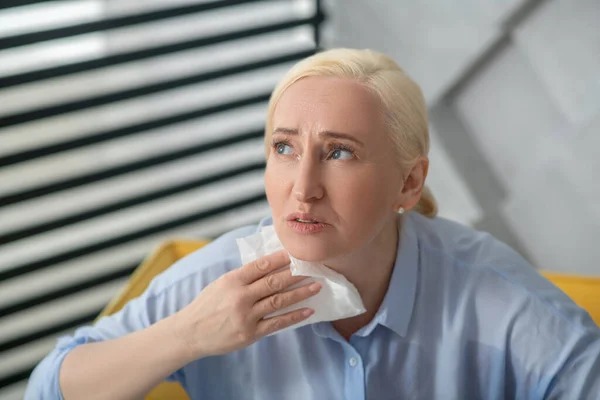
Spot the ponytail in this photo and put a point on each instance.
(427, 205)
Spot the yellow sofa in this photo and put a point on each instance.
(585, 291)
(154, 264)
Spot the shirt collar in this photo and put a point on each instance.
(397, 307)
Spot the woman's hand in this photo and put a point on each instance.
(229, 313)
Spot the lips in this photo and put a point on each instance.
(306, 218)
(306, 224)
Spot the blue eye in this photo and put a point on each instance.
(341, 154)
(283, 149)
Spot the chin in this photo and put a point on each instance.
(307, 248)
(306, 254)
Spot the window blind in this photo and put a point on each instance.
(123, 124)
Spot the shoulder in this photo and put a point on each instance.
(206, 264)
(476, 266)
(477, 295)
(459, 242)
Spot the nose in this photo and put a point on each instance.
(308, 186)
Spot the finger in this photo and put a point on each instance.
(279, 301)
(272, 325)
(273, 283)
(262, 266)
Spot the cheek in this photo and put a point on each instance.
(364, 193)
(275, 186)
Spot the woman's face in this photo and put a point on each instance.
(332, 177)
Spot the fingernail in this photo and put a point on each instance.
(308, 312)
(314, 287)
(263, 265)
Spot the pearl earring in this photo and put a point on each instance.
(401, 210)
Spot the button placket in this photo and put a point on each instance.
(354, 388)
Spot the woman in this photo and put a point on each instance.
(451, 312)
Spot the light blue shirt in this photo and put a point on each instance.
(464, 317)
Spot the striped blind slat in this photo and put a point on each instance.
(121, 127)
(20, 3)
(87, 65)
(113, 23)
(73, 106)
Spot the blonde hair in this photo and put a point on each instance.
(403, 103)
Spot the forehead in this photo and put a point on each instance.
(328, 103)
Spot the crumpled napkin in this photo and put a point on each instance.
(338, 298)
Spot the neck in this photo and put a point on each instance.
(369, 269)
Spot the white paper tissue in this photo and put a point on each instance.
(338, 297)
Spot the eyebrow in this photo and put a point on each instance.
(326, 134)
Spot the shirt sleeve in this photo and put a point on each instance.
(555, 348)
(579, 375)
(136, 315)
(168, 293)
(552, 346)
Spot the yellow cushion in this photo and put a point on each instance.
(584, 291)
(153, 265)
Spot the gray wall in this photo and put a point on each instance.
(514, 93)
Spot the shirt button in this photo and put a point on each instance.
(353, 361)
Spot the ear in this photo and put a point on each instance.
(411, 191)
